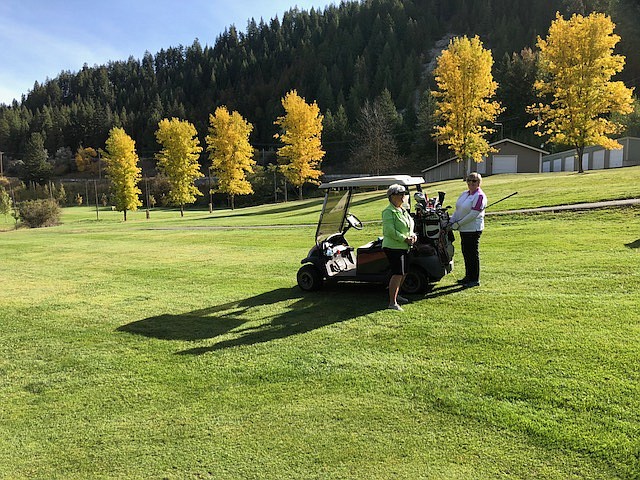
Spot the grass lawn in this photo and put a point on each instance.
(179, 348)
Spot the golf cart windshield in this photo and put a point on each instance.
(334, 212)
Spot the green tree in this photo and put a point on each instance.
(230, 152)
(336, 136)
(36, 167)
(517, 76)
(465, 87)
(576, 64)
(123, 170)
(424, 145)
(626, 15)
(630, 122)
(301, 129)
(178, 160)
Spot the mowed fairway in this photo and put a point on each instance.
(180, 348)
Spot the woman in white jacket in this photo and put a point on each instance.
(468, 219)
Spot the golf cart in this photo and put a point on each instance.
(332, 259)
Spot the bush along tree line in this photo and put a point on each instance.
(578, 104)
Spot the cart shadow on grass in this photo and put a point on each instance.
(260, 318)
(635, 244)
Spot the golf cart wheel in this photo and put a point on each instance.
(309, 278)
(415, 282)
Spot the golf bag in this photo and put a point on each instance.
(432, 226)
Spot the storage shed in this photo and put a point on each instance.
(511, 157)
(595, 157)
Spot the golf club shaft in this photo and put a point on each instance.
(498, 201)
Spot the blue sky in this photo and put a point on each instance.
(40, 38)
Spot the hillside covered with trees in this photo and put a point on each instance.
(358, 55)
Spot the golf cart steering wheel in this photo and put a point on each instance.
(353, 221)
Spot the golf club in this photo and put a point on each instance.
(498, 201)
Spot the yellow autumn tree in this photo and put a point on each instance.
(576, 64)
(122, 170)
(178, 160)
(301, 128)
(464, 107)
(86, 159)
(230, 152)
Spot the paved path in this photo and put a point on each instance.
(576, 206)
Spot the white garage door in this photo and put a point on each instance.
(585, 161)
(569, 164)
(598, 160)
(557, 165)
(615, 158)
(505, 164)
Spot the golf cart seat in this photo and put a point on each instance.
(372, 246)
(371, 259)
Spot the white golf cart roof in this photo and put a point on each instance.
(377, 181)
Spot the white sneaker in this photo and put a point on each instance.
(397, 307)
(402, 300)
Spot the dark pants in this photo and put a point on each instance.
(470, 242)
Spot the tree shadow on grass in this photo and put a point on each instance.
(285, 208)
(635, 244)
(302, 312)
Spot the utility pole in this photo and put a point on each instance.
(146, 189)
(210, 193)
(1, 169)
(95, 187)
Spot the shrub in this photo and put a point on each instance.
(5, 201)
(39, 213)
(62, 195)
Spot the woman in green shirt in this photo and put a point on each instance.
(398, 236)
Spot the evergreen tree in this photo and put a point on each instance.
(425, 144)
(337, 137)
(516, 91)
(36, 167)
